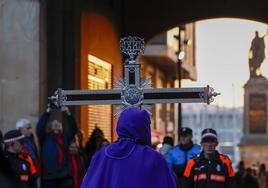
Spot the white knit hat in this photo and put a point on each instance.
(22, 122)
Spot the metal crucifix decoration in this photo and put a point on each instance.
(132, 90)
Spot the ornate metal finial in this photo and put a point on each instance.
(58, 98)
(211, 94)
(131, 46)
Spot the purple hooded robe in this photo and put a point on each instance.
(130, 162)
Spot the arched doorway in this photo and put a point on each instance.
(235, 46)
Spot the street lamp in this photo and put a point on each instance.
(180, 55)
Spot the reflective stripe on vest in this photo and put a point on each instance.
(216, 177)
(189, 167)
(200, 177)
(227, 162)
(24, 178)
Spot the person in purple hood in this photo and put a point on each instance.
(130, 162)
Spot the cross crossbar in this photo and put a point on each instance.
(114, 96)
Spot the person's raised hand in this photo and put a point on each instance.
(48, 108)
(66, 110)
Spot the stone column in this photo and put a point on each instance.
(19, 61)
(254, 143)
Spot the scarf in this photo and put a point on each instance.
(59, 139)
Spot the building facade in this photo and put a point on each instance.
(46, 44)
(160, 63)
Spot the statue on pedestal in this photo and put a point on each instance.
(255, 138)
(256, 55)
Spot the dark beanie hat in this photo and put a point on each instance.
(185, 131)
(12, 136)
(209, 133)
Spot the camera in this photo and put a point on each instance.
(53, 105)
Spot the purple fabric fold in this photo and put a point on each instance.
(130, 162)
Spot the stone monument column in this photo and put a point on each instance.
(19, 61)
(254, 143)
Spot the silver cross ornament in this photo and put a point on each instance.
(132, 90)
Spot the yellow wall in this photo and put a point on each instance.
(98, 38)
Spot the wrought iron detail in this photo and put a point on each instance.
(132, 96)
(211, 94)
(131, 46)
(58, 98)
(201, 94)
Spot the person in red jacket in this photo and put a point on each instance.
(210, 169)
(76, 165)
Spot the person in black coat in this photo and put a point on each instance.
(249, 181)
(94, 143)
(20, 165)
(240, 174)
(6, 173)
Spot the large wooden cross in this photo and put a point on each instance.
(132, 90)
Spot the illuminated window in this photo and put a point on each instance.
(99, 77)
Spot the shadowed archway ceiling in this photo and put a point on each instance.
(147, 18)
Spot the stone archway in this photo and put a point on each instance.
(147, 18)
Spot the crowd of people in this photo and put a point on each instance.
(197, 166)
(53, 156)
(185, 156)
(255, 176)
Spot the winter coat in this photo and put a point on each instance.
(164, 150)
(178, 157)
(52, 167)
(129, 162)
(250, 181)
(201, 172)
(77, 169)
(25, 172)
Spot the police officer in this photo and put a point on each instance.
(180, 154)
(21, 163)
(210, 169)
